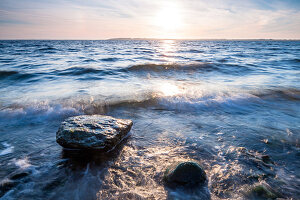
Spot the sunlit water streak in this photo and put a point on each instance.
(225, 104)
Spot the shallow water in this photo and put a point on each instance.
(225, 104)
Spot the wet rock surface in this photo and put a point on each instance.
(92, 132)
(185, 174)
(262, 191)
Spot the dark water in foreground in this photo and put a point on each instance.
(226, 104)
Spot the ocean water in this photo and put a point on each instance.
(233, 106)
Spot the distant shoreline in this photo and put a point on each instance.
(154, 39)
(204, 39)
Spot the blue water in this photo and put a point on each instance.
(225, 104)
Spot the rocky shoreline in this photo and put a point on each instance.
(101, 134)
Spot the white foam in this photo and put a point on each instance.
(8, 149)
(206, 96)
(22, 163)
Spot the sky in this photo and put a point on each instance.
(181, 19)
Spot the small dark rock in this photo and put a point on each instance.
(185, 174)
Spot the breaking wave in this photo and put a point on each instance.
(188, 99)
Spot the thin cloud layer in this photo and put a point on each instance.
(189, 19)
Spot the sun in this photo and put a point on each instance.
(169, 20)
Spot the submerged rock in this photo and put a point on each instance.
(185, 174)
(262, 192)
(92, 132)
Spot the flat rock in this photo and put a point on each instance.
(92, 132)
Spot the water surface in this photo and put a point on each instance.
(225, 104)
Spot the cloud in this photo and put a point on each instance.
(92, 19)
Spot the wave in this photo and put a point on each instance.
(191, 67)
(50, 50)
(191, 51)
(274, 48)
(222, 60)
(234, 69)
(15, 75)
(4, 74)
(171, 67)
(188, 98)
(73, 50)
(6, 60)
(8, 149)
(38, 112)
(47, 49)
(201, 99)
(296, 60)
(75, 71)
(291, 94)
(109, 59)
(88, 60)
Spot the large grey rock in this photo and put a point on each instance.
(185, 174)
(92, 132)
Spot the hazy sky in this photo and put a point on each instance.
(190, 19)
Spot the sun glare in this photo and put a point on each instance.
(169, 20)
(168, 89)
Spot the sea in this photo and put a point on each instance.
(231, 105)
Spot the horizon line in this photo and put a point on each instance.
(137, 38)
